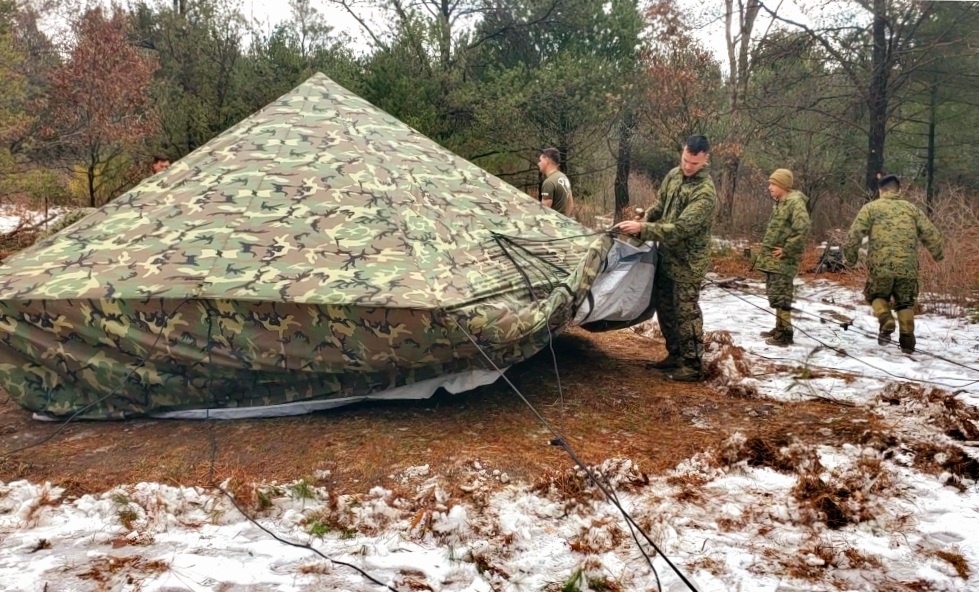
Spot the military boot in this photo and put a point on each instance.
(771, 332)
(782, 336)
(670, 362)
(885, 319)
(905, 320)
(688, 372)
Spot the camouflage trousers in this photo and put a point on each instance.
(680, 319)
(779, 288)
(904, 291)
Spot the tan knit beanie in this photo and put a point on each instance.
(783, 178)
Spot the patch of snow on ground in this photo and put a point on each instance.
(854, 516)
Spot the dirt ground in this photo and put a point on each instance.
(613, 407)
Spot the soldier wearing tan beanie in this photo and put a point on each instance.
(785, 239)
(783, 178)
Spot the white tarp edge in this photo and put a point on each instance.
(454, 383)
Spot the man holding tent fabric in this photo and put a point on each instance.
(781, 252)
(680, 221)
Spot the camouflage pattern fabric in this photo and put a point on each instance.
(894, 226)
(681, 221)
(904, 291)
(780, 291)
(788, 228)
(680, 318)
(318, 249)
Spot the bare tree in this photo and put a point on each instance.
(879, 50)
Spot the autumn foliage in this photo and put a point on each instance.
(100, 96)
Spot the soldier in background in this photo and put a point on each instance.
(680, 221)
(555, 192)
(160, 163)
(781, 252)
(894, 226)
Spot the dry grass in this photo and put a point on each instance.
(956, 560)
(104, 569)
(841, 498)
(14, 241)
(613, 407)
(943, 410)
(941, 459)
(952, 285)
(599, 536)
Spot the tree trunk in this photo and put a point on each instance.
(623, 164)
(930, 161)
(877, 99)
(562, 149)
(729, 184)
(90, 173)
(445, 33)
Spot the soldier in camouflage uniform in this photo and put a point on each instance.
(680, 221)
(781, 252)
(894, 226)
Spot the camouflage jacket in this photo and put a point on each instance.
(681, 220)
(894, 226)
(788, 228)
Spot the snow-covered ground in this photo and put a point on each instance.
(883, 523)
(12, 217)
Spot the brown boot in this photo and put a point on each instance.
(885, 319)
(905, 318)
(782, 339)
(776, 329)
(670, 362)
(688, 373)
(783, 335)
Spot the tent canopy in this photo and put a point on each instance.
(320, 249)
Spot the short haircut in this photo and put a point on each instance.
(697, 144)
(160, 158)
(889, 181)
(552, 154)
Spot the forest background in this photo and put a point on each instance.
(836, 91)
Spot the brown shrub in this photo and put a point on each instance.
(844, 496)
(957, 561)
(936, 459)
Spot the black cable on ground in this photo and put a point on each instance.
(841, 351)
(302, 546)
(561, 442)
(213, 446)
(844, 325)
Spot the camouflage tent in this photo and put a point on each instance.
(318, 251)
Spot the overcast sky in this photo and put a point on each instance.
(272, 13)
(711, 33)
